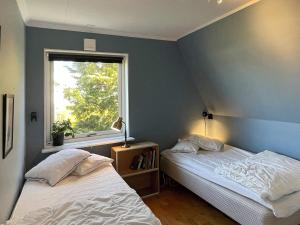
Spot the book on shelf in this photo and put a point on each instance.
(141, 158)
(153, 159)
(134, 163)
(148, 160)
(145, 160)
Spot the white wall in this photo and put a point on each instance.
(12, 81)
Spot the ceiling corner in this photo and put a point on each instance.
(23, 10)
(252, 2)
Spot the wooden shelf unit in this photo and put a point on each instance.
(144, 181)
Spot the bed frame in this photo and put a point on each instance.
(241, 209)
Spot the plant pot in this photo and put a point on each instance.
(58, 139)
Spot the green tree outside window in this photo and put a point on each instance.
(93, 101)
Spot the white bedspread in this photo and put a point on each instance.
(204, 163)
(268, 174)
(101, 197)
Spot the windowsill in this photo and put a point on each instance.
(83, 144)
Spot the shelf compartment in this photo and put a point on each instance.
(131, 172)
(124, 158)
(145, 184)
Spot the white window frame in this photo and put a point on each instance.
(48, 97)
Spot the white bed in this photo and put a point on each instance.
(203, 164)
(101, 197)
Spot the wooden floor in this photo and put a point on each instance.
(178, 206)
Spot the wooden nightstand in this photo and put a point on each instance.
(144, 180)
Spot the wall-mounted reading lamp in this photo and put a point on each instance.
(207, 115)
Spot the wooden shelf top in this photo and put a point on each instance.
(135, 146)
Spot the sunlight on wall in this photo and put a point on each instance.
(217, 129)
(214, 129)
(197, 127)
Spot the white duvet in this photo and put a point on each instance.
(121, 208)
(101, 197)
(204, 163)
(270, 175)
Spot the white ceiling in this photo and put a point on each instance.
(157, 19)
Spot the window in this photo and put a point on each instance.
(89, 89)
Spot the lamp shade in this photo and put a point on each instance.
(117, 125)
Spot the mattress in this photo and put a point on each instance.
(101, 197)
(204, 163)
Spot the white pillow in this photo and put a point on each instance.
(57, 166)
(206, 143)
(185, 146)
(90, 164)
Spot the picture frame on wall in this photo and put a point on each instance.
(8, 124)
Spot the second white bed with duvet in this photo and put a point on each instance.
(204, 163)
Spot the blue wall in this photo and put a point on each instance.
(163, 101)
(246, 68)
(12, 81)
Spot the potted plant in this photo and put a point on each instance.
(60, 130)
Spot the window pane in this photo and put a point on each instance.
(87, 94)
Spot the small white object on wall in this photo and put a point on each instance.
(89, 44)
